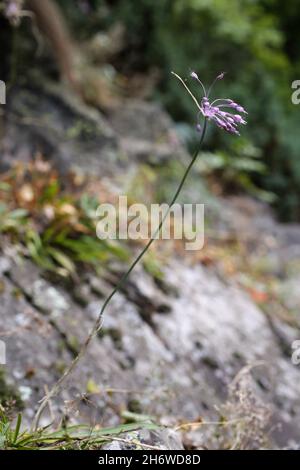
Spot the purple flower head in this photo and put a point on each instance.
(13, 11)
(222, 111)
(221, 76)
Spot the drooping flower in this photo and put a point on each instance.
(223, 111)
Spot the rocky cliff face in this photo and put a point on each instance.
(194, 346)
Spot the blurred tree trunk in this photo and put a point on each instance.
(51, 23)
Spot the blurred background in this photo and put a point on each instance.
(133, 46)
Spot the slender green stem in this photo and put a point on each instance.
(157, 231)
(98, 323)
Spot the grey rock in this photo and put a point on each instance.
(290, 293)
(177, 365)
(146, 132)
(114, 445)
(163, 439)
(5, 265)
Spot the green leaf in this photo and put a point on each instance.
(50, 191)
(18, 214)
(5, 186)
(62, 259)
(3, 208)
(18, 426)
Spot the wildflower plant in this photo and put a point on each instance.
(226, 114)
(217, 110)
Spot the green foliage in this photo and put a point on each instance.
(9, 397)
(256, 43)
(152, 267)
(11, 220)
(79, 437)
(57, 227)
(237, 168)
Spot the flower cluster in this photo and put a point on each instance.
(224, 119)
(224, 112)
